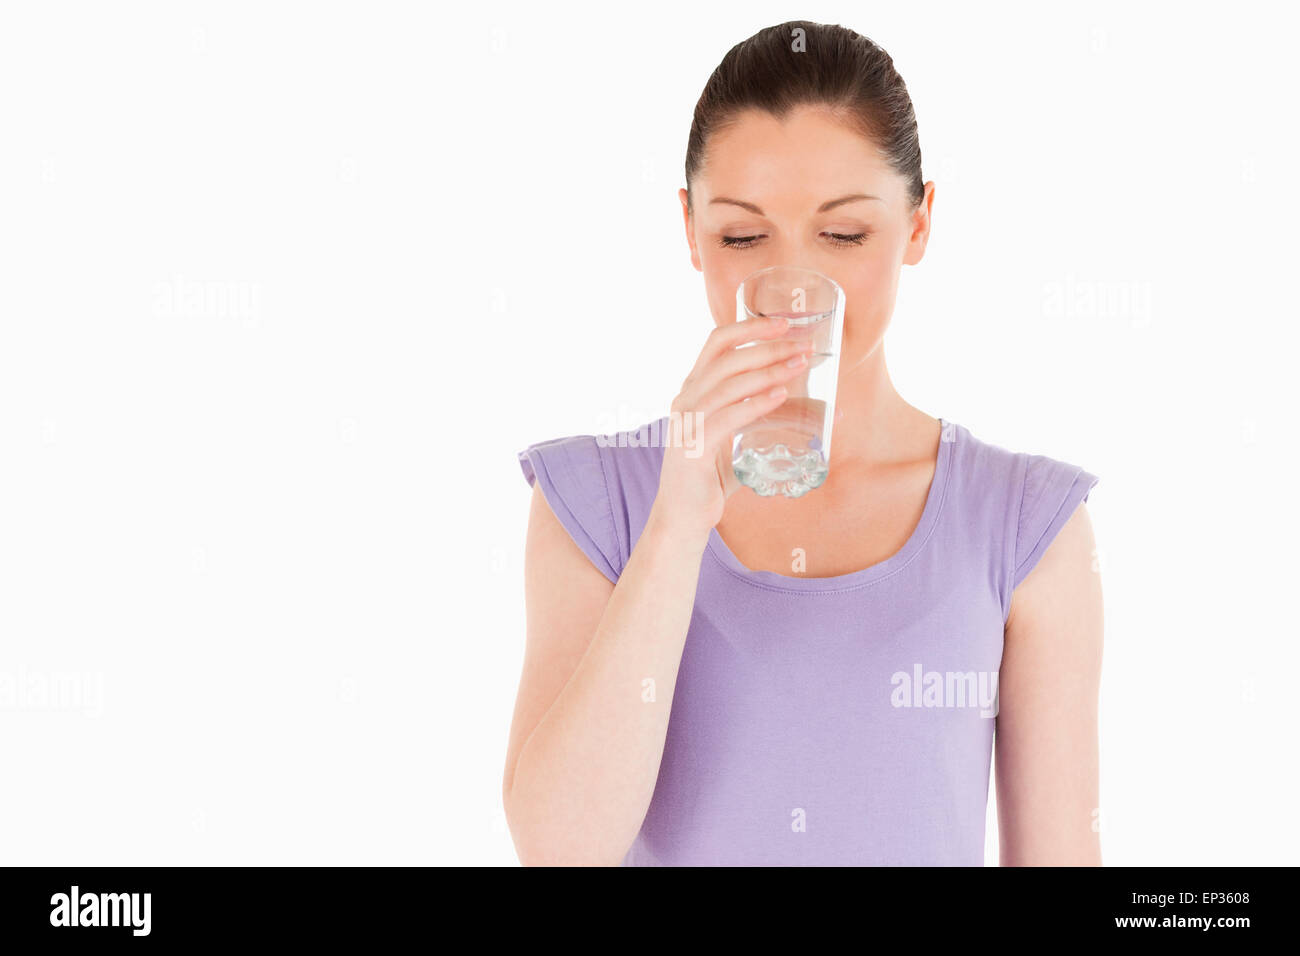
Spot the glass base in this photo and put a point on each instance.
(779, 471)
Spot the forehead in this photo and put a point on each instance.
(804, 159)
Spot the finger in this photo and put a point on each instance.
(729, 336)
(720, 426)
(746, 384)
(751, 357)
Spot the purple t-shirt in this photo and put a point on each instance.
(845, 720)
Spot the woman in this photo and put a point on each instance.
(692, 693)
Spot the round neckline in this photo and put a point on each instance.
(949, 435)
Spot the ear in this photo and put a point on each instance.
(690, 231)
(920, 236)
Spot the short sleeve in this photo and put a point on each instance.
(571, 474)
(1052, 492)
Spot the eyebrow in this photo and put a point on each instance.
(824, 207)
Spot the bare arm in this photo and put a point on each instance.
(601, 660)
(1046, 740)
(585, 744)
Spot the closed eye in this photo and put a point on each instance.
(837, 239)
(856, 239)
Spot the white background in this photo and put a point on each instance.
(284, 288)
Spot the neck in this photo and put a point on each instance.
(879, 427)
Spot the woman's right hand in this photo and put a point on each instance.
(728, 388)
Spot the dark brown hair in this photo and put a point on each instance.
(778, 69)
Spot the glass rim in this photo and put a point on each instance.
(839, 289)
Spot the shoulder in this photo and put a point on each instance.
(981, 464)
(1024, 500)
(600, 487)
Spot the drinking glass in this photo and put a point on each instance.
(788, 450)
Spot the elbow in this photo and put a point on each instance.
(538, 843)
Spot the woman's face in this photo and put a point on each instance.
(792, 193)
